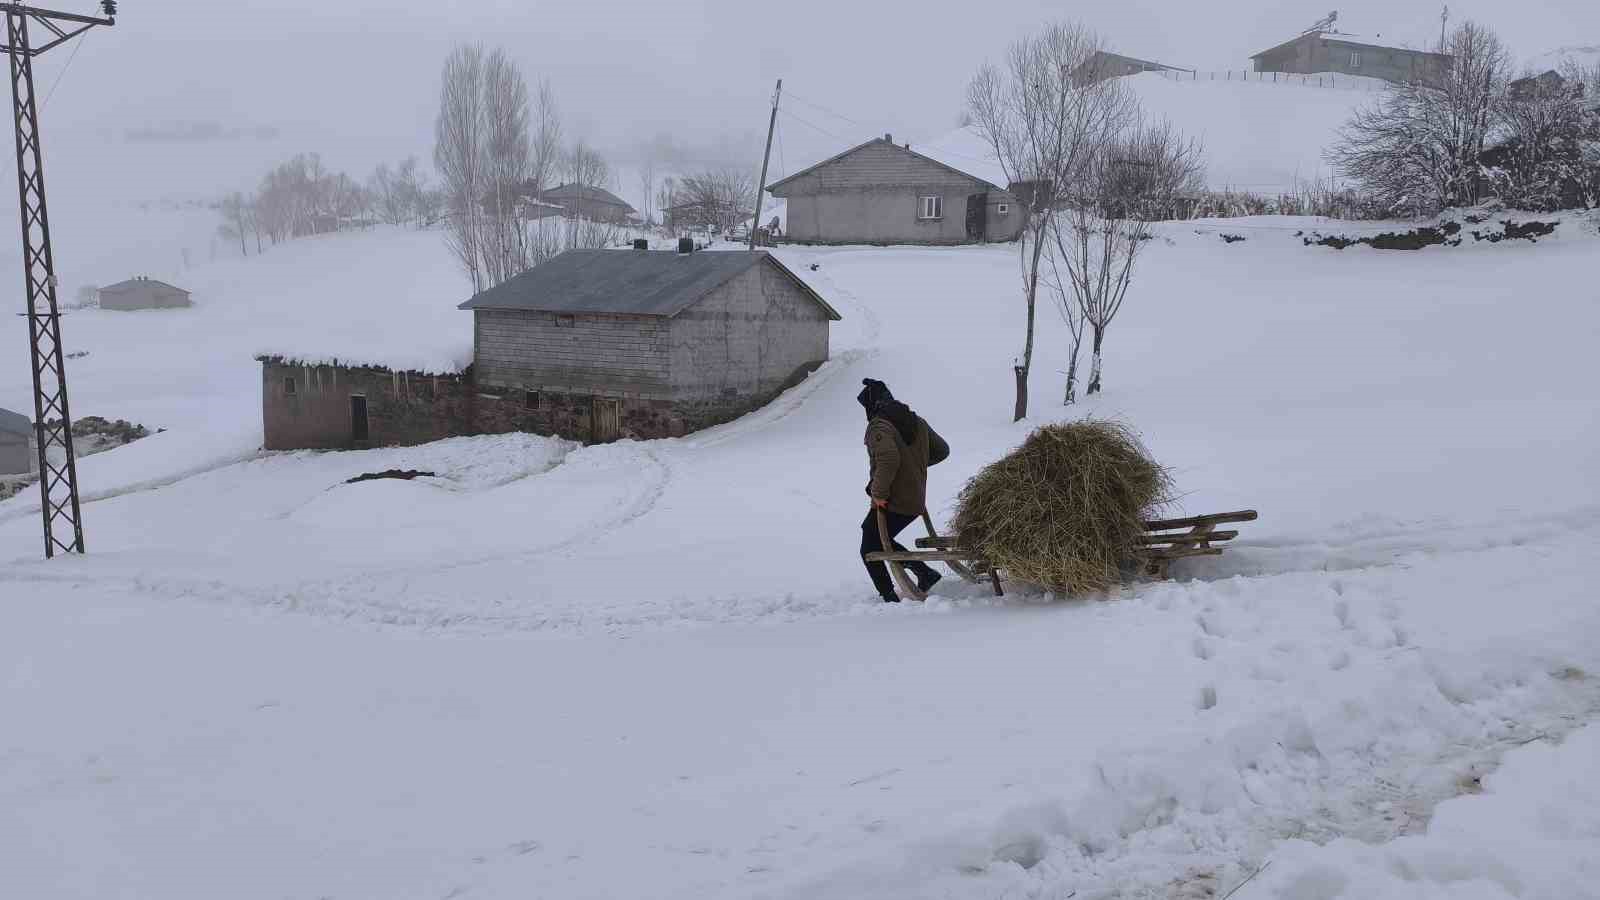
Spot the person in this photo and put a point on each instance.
(900, 448)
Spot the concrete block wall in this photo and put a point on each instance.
(578, 354)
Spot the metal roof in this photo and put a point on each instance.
(15, 423)
(629, 282)
(883, 140)
(586, 193)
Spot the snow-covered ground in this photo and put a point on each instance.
(656, 669)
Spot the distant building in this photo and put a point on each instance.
(1322, 51)
(593, 345)
(1547, 84)
(696, 214)
(599, 344)
(1105, 64)
(17, 453)
(589, 202)
(143, 293)
(881, 192)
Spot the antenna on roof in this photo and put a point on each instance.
(1323, 24)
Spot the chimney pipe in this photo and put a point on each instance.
(685, 245)
(888, 137)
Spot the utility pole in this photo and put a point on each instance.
(58, 485)
(1444, 16)
(761, 186)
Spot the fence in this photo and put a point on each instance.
(1320, 80)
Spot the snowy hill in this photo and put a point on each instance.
(1262, 136)
(657, 669)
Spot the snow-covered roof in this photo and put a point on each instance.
(141, 281)
(966, 150)
(916, 151)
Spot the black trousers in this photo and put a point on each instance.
(871, 544)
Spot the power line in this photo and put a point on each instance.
(812, 125)
(61, 74)
(831, 112)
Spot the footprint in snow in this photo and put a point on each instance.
(1208, 698)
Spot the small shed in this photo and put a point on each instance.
(881, 192)
(143, 292)
(1103, 65)
(340, 405)
(17, 454)
(595, 345)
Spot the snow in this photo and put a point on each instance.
(1261, 136)
(656, 669)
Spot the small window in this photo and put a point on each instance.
(566, 321)
(1003, 208)
(530, 400)
(1355, 59)
(289, 387)
(931, 208)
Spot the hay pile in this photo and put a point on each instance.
(1065, 510)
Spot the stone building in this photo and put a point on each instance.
(593, 346)
(599, 344)
(334, 406)
(17, 454)
(143, 293)
(1103, 65)
(881, 192)
(584, 201)
(1323, 51)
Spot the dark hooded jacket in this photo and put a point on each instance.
(900, 447)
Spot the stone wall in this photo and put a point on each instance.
(575, 354)
(309, 406)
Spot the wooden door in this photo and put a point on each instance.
(358, 418)
(977, 216)
(606, 420)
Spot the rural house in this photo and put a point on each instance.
(1104, 64)
(142, 293)
(881, 192)
(17, 454)
(589, 202)
(599, 344)
(593, 345)
(1323, 51)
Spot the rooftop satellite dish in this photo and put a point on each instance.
(1324, 24)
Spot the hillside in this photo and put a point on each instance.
(657, 669)
(1261, 136)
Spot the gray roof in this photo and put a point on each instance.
(136, 282)
(772, 188)
(587, 193)
(15, 423)
(629, 282)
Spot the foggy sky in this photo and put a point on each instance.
(357, 79)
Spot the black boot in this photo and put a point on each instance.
(927, 578)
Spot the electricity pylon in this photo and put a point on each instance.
(58, 485)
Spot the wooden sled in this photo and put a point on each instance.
(1168, 539)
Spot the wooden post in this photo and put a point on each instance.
(761, 186)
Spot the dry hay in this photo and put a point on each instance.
(1066, 509)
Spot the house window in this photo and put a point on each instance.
(1355, 59)
(1003, 208)
(566, 321)
(530, 400)
(931, 208)
(289, 387)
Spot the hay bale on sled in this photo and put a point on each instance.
(1065, 510)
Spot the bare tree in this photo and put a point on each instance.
(1546, 130)
(586, 169)
(1043, 126)
(667, 196)
(723, 195)
(419, 202)
(647, 186)
(458, 155)
(1129, 183)
(235, 224)
(507, 164)
(1418, 147)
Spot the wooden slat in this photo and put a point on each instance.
(945, 542)
(1186, 537)
(1243, 515)
(923, 556)
(1180, 554)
